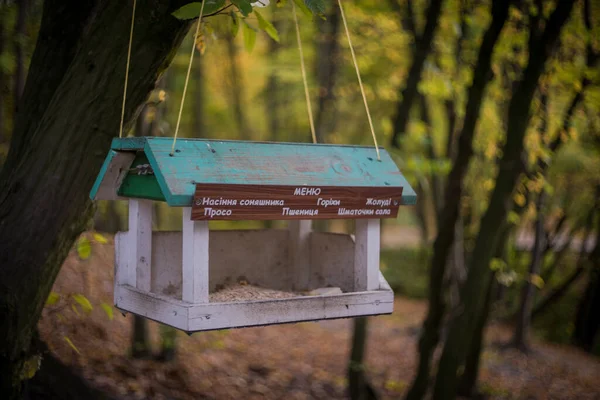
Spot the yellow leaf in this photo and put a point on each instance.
(52, 299)
(520, 199)
(70, 343)
(537, 281)
(98, 237)
(83, 302)
(84, 248)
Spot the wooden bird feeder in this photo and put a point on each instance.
(171, 277)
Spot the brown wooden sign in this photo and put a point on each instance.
(264, 202)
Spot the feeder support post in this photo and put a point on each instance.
(140, 244)
(195, 259)
(366, 254)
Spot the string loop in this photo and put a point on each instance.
(127, 69)
(304, 79)
(362, 89)
(187, 78)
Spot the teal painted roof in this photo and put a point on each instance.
(261, 163)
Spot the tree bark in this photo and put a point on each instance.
(68, 115)
(422, 49)
(453, 193)
(20, 26)
(326, 70)
(511, 167)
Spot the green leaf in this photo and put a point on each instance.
(192, 10)
(84, 248)
(267, 26)
(235, 24)
(70, 343)
(83, 302)
(108, 310)
(52, 299)
(302, 6)
(244, 6)
(249, 37)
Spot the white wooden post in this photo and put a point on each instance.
(195, 259)
(300, 252)
(140, 244)
(366, 255)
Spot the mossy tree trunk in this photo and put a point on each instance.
(462, 326)
(68, 114)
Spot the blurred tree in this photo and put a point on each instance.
(443, 243)
(462, 326)
(421, 51)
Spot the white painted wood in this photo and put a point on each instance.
(210, 316)
(332, 261)
(300, 257)
(140, 244)
(299, 309)
(116, 172)
(152, 306)
(121, 257)
(366, 255)
(195, 266)
(167, 264)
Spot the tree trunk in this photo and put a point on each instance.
(520, 339)
(68, 115)
(422, 49)
(20, 27)
(587, 319)
(453, 193)
(468, 381)
(326, 70)
(358, 386)
(3, 89)
(462, 325)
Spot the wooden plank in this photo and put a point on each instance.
(300, 257)
(285, 202)
(195, 259)
(111, 175)
(256, 163)
(366, 255)
(152, 306)
(140, 244)
(310, 308)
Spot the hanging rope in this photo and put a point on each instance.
(310, 116)
(187, 78)
(127, 69)
(362, 89)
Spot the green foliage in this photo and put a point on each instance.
(192, 10)
(249, 36)
(266, 26)
(406, 269)
(108, 310)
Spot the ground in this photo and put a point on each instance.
(298, 361)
